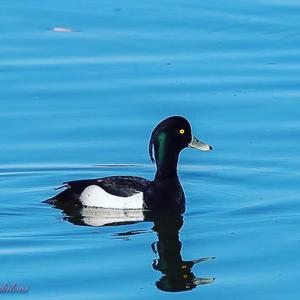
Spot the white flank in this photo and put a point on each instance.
(95, 196)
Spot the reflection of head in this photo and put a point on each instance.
(179, 277)
(177, 280)
(186, 283)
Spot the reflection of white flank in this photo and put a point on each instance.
(95, 196)
(101, 216)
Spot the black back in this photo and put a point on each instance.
(122, 186)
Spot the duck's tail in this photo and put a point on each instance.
(63, 197)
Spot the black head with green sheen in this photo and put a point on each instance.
(168, 138)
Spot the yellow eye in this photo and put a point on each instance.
(181, 131)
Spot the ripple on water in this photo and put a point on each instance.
(74, 100)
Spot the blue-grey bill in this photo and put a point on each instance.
(196, 144)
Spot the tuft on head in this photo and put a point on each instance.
(151, 145)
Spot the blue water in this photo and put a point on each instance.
(82, 104)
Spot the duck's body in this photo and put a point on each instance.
(118, 192)
(129, 192)
(123, 192)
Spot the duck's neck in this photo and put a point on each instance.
(166, 158)
(167, 167)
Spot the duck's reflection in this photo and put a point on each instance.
(177, 274)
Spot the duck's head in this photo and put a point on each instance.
(171, 136)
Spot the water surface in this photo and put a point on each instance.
(82, 104)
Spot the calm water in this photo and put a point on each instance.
(82, 104)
